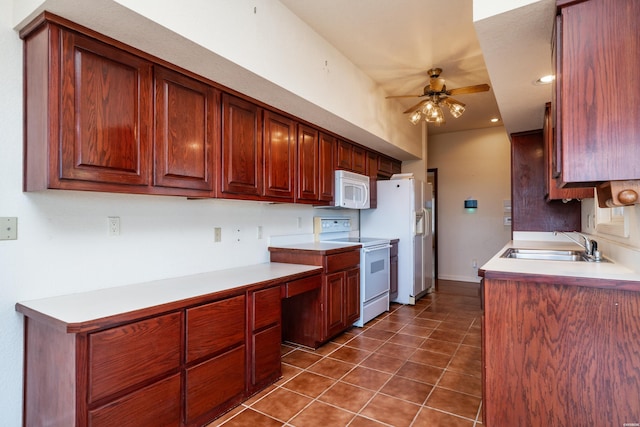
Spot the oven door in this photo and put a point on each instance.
(375, 271)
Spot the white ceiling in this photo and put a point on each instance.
(396, 41)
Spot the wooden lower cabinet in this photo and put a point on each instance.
(215, 355)
(313, 319)
(159, 404)
(266, 334)
(179, 368)
(214, 386)
(560, 351)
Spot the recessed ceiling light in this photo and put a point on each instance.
(544, 80)
(495, 120)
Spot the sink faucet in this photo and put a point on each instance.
(590, 246)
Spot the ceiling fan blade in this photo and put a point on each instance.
(416, 107)
(403, 96)
(469, 89)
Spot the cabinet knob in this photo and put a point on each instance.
(628, 197)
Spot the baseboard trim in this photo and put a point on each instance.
(459, 278)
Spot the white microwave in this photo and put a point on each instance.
(351, 190)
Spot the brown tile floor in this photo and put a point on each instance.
(413, 366)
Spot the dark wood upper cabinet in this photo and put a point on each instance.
(104, 116)
(279, 156)
(326, 178)
(105, 113)
(187, 119)
(530, 211)
(358, 160)
(597, 55)
(308, 164)
(344, 151)
(554, 192)
(88, 113)
(241, 153)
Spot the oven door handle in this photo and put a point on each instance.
(375, 248)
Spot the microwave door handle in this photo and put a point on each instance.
(366, 193)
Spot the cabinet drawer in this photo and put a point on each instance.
(214, 383)
(128, 355)
(341, 261)
(265, 357)
(297, 287)
(214, 327)
(266, 308)
(157, 405)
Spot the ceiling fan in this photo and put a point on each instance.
(436, 93)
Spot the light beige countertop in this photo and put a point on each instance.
(592, 270)
(84, 307)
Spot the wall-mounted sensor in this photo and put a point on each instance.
(471, 204)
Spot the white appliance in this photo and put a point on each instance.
(374, 265)
(351, 190)
(402, 213)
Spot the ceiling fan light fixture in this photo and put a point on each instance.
(415, 117)
(456, 108)
(435, 116)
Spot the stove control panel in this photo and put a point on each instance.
(331, 225)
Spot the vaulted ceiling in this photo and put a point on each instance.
(396, 42)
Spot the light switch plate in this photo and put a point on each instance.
(8, 228)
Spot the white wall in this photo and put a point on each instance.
(63, 246)
(257, 47)
(470, 164)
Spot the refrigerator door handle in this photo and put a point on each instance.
(418, 223)
(427, 222)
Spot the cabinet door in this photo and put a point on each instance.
(214, 327)
(530, 211)
(334, 303)
(279, 156)
(265, 357)
(308, 163)
(326, 170)
(358, 160)
(187, 126)
(241, 153)
(105, 113)
(385, 167)
(598, 90)
(344, 151)
(266, 314)
(142, 408)
(352, 296)
(215, 385)
(554, 192)
(128, 355)
(372, 172)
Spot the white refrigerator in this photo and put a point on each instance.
(404, 212)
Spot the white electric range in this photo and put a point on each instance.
(374, 264)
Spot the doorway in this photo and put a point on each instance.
(432, 178)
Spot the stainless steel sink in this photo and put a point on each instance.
(545, 254)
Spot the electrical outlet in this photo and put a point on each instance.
(114, 226)
(217, 234)
(237, 233)
(8, 228)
